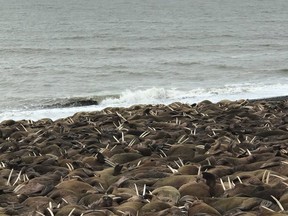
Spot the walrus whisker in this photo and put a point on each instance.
(52, 156)
(170, 108)
(278, 203)
(97, 130)
(138, 164)
(116, 139)
(239, 180)
(136, 189)
(23, 127)
(184, 140)
(229, 183)
(121, 116)
(29, 122)
(2, 164)
(200, 146)
(246, 138)
(71, 212)
(100, 151)
(18, 177)
(123, 213)
(9, 177)
(260, 107)
(109, 112)
(101, 186)
(280, 177)
(267, 125)
(113, 148)
(185, 114)
(177, 164)
(144, 134)
(120, 125)
(70, 167)
(122, 137)
(214, 134)
(131, 143)
(77, 177)
(50, 211)
(172, 169)
(70, 120)
(267, 208)
(177, 105)
(164, 154)
(152, 128)
(199, 171)
(40, 213)
(252, 140)
(222, 183)
(16, 189)
(144, 190)
(268, 176)
(39, 131)
(181, 138)
(249, 153)
(242, 150)
(65, 200)
(181, 161)
(109, 162)
(194, 131)
(82, 145)
(284, 162)
(264, 176)
(39, 137)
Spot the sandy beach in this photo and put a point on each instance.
(225, 158)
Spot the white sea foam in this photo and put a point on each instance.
(157, 96)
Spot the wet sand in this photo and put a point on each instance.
(225, 158)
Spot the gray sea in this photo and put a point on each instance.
(56, 53)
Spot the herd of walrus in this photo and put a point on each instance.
(224, 158)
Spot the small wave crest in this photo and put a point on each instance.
(165, 96)
(148, 96)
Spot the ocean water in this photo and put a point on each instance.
(54, 53)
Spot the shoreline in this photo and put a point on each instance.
(45, 113)
(213, 158)
(276, 98)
